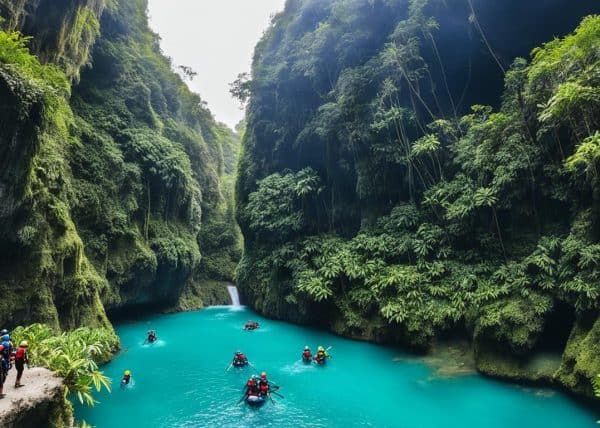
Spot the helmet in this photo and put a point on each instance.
(321, 348)
(127, 373)
(6, 337)
(263, 375)
(238, 352)
(3, 331)
(306, 348)
(23, 344)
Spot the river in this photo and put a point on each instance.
(182, 381)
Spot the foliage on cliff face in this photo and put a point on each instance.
(425, 217)
(63, 31)
(149, 169)
(42, 254)
(112, 184)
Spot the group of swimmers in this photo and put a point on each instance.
(261, 386)
(258, 388)
(319, 358)
(151, 337)
(10, 355)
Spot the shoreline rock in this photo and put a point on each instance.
(39, 403)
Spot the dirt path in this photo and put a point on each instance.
(40, 386)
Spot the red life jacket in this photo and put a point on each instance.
(20, 354)
(264, 387)
(251, 385)
(307, 354)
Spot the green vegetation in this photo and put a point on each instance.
(73, 356)
(63, 33)
(373, 203)
(159, 221)
(597, 387)
(42, 246)
(116, 179)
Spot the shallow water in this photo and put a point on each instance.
(181, 381)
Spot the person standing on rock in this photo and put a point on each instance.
(20, 361)
(6, 350)
(4, 367)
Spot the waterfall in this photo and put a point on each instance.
(233, 293)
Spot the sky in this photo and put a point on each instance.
(216, 38)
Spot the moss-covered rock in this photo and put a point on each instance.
(112, 181)
(199, 294)
(581, 359)
(536, 367)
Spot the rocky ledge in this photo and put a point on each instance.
(39, 403)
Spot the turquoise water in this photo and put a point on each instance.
(181, 381)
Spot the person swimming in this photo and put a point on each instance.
(321, 356)
(126, 378)
(307, 355)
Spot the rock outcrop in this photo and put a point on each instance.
(36, 404)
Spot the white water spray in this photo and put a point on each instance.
(233, 293)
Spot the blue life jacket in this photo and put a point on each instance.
(6, 355)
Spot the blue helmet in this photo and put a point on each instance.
(6, 338)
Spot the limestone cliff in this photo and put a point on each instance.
(112, 171)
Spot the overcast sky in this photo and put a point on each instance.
(216, 38)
